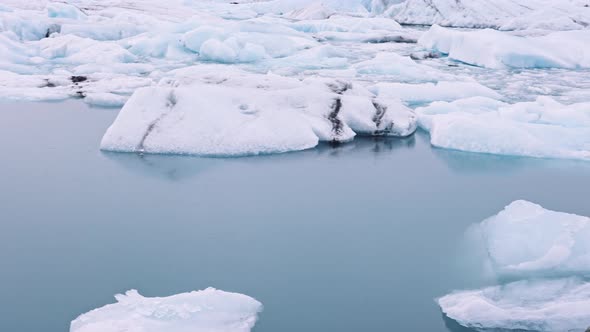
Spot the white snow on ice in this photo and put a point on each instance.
(208, 310)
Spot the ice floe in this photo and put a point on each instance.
(527, 240)
(528, 305)
(495, 49)
(208, 310)
(237, 113)
(544, 128)
(500, 14)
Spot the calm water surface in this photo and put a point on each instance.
(362, 237)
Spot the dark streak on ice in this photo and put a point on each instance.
(78, 79)
(170, 103)
(380, 111)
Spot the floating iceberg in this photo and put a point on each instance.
(538, 305)
(495, 49)
(543, 128)
(209, 310)
(499, 14)
(526, 239)
(236, 113)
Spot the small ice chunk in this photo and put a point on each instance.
(209, 310)
(537, 305)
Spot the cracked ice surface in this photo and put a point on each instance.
(122, 47)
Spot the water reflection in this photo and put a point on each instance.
(167, 167)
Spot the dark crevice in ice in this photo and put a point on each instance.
(337, 124)
(78, 79)
(48, 84)
(170, 103)
(339, 87)
(54, 28)
(380, 111)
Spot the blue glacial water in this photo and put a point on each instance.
(362, 237)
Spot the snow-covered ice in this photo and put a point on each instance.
(528, 305)
(208, 310)
(237, 113)
(104, 51)
(525, 239)
(543, 128)
(495, 49)
(499, 14)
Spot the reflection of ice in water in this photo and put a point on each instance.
(168, 167)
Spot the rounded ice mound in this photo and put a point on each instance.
(539, 305)
(526, 239)
(202, 311)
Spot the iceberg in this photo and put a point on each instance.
(536, 305)
(237, 113)
(209, 310)
(527, 240)
(500, 14)
(543, 128)
(495, 49)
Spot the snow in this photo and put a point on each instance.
(237, 113)
(527, 240)
(528, 305)
(208, 310)
(494, 49)
(543, 128)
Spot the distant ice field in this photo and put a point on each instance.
(105, 51)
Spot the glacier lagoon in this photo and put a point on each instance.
(330, 239)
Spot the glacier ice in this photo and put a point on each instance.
(209, 310)
(237, 113)
(543, 128)
(121, 46)
(499, 14)
(525, 239)
(528, 305)
(495, 49)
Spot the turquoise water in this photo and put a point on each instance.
(362, 237)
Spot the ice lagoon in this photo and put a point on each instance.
(363, 236)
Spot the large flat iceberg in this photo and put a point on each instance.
(236, 113)
(538, 305)
(209, 310)
(544, 128)
(525, 239)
